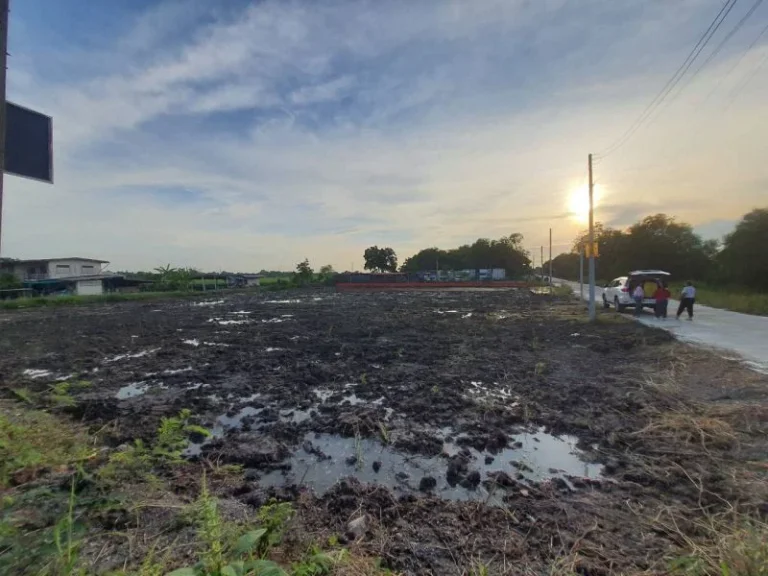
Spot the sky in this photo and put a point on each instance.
(235, 135)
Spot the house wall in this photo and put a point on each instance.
(89, 287)
(63, 268)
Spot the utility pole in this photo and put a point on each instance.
(542, 261)
(550, 259)
(3, 65)
(592, 312)
(581, 271)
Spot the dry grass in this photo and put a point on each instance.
(690, 428)
(729, 544)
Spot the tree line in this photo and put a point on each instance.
(661, 242)
(507, 252)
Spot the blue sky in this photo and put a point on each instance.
(248, 135)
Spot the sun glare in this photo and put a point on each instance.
(578, 203)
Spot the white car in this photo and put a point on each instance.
(619, 292)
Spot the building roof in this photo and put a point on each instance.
(36, 260)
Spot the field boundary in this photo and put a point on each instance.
(353, 286)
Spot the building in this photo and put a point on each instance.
(84, 276)
(31, 270)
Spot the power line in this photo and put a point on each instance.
(736, 93)
(673, 81)
(738, 62)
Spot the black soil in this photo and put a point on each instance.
(413, 372)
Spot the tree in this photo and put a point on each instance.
(380, 259)
(9, 281)
(304, 273)
(742, 258)
(656, 242)
(506, 252)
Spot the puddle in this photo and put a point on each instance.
(195, 342)
(178, 370)
(209, 303)
(271, 349)
(220, 427)
(446, 311)
(274, 320)
(222, 322)
(136, 355)
(132, 390)
(295, 416)
(34, 374)
(241, 312)
(195, 386)
(282, 301)
(480, 391)
(467, 315)
(324, 459)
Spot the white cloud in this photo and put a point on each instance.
(309, 130)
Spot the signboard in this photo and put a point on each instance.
(587, 252)
(28, 143)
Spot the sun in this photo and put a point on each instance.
(578, 203)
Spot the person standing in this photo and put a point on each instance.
(662, 296)
(687, 298)
(637, 295)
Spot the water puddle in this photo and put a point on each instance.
(34, 374)
(241, 312)
(282, 301)
(295, 416)
(140, 354)
(209, 303)
(273, 349)
(324, 459)
(222, 322)
(274, 320)
(195, 342)
(132, 390)
(220, 427)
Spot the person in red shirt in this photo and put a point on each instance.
(662, 296)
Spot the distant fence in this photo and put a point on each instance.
(361, 286)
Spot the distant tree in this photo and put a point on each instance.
(326, 270)
(380, 259)
(506, 252)
(742, 259)
(304, 273)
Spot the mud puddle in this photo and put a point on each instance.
(456, 474)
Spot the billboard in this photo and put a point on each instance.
(28, 143)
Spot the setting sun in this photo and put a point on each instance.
(578, 203)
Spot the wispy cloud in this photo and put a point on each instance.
(254, 136)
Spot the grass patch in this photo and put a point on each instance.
(75, 300)
(32, 441)
(689, 428)
(728, 298)
(726, 545)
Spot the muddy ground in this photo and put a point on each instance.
(466, 428)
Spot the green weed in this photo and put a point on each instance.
(138, 459)
(384, 433)
(32, 441)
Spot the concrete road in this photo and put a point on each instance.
(732, 333)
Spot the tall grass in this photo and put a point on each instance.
(74, 300)
(728, 298)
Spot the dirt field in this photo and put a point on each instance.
(470, 431)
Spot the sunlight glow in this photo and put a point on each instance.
(578, 203)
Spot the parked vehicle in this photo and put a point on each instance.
(619, 292)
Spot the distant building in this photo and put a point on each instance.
(84, 276)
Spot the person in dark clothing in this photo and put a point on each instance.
(687, 299)
(662, 296)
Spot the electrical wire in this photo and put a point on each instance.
(736, 93)
(651, 108)
(738, 62)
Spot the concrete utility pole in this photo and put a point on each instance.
(592, 312)
(581, 271)
(550, 259)
(3, 64)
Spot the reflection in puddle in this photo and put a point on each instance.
(140, 354)
(324, 459)
(131, 390)
(35, 373)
